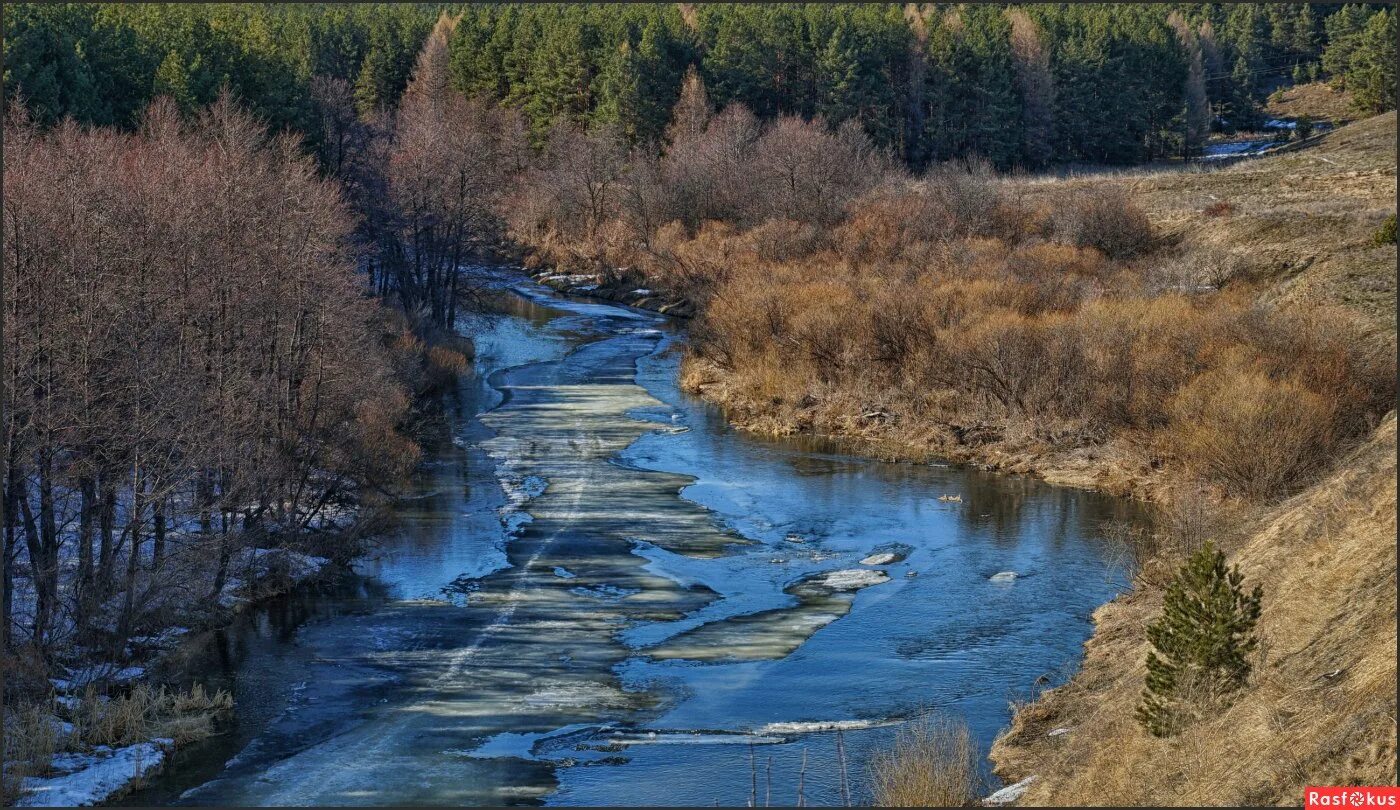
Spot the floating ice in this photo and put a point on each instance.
(880, 559)
(605, 592)
(850, 579)
(691, 738)
(812, 726)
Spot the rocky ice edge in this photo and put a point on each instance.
(263, 562)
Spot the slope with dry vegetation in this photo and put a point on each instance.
(1321, 707)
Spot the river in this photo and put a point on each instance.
(601, 594)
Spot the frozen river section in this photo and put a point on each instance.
(601, 594)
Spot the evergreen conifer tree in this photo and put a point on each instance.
(1201, 643)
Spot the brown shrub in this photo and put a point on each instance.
(783, 240)
(1049, 263)
(1026, 365)
(1251, 434)
(1139, 352)
(1102, 217)
(933, 763)
(1218, 209)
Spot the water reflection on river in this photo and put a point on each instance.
(602, 594)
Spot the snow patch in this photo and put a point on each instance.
(104, 673)
(92, 778)
(1010, 793)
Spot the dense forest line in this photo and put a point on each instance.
(1020, 85)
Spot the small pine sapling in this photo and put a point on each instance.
(1201, 643)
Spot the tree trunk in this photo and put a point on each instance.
(34, 545)
(157, 533)
(133, 561)
(9, 552)
(88, 489)
(106, 521)
(48, 533)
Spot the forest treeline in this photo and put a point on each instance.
(1018, 85)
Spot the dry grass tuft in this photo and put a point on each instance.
(33, 734)
(145, 712)
(933, 763)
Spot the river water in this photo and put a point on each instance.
(601, 594)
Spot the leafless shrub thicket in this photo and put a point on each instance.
(191, 366)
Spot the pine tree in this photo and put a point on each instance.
(838, 79)
(1201, 643)
(660, 80)
(173, 79)
(620, 94)
(1343, 34)
(1371, 74)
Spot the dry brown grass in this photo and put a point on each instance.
(146, 712)
(30, 741)
(1301, 221)
(1321, 708)
(933, 763)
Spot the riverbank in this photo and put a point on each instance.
(105, 723)
(870, 429)
(92, 723)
